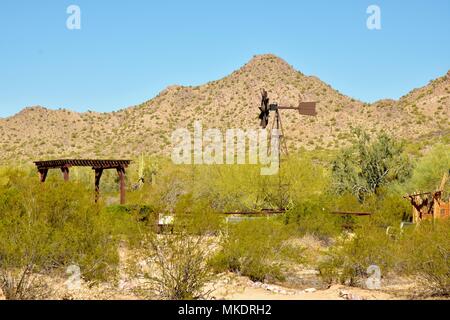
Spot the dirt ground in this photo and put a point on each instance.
(300, 284)
(233, 287)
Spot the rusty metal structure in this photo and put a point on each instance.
(263, 212)
(430, 205)
(352, 213)
(97, 165)
(303, 108)
(238, 216)
(266, 108)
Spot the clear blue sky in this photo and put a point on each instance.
(128, 51)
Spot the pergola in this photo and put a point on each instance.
(97, 165)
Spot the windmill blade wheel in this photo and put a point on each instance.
(264, 108)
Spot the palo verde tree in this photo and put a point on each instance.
(369, 164)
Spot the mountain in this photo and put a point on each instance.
(231, 102)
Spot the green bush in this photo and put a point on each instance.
(313, 217)
(141, 213)
(427, 254)
(429, 169)
(348, 261)
(369, 164)
(129, 222)
(422, 252)
(48, 226)
(196, 216)
(180, 270)
(259, 249)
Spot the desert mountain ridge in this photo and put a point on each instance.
(231, 102)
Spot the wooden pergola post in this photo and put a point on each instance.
(98, 175)
(65, 171)
(43, 174)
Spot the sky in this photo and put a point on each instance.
(126, 52)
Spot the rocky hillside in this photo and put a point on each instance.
(231, 102)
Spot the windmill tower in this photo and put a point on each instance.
(267, 108)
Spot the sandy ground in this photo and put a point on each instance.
(232, 287)
(303, 284)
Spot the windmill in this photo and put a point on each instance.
(266, 108)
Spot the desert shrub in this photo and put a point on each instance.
(23, 284)
(427, 254)
(141, 213)
(429, 169)
(389, 208)
(243, 188)
(196, 216)
(128, 222)
(259, 249)
(313, 217)
(231, 187)
(422, 252)
(369, 164)
(348, 261)
(46, 227)
(23, 252)
(179, 266)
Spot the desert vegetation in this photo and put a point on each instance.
(47, 228)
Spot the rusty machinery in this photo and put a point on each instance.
(428, 205)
